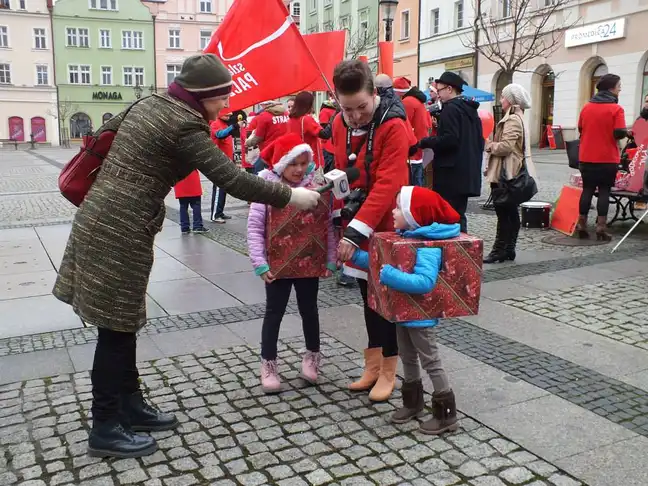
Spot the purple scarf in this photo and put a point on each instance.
(192, 99)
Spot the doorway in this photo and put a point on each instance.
(547, 97)
(601, 70)
(80, 125)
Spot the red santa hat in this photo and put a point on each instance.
(284, 150)
(422, 207)
(402, 85)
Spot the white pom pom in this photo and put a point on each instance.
(352, 157)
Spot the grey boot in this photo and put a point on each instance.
(444, 415)
(413, 402)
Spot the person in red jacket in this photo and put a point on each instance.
(269, 125)
(189, 192)
(303, 124)
(328, 110)
(222, 131)
(414, 101)
(371, 135)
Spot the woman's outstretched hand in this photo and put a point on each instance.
(303, 198)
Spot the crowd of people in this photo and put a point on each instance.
(386, 129)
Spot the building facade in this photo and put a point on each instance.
(27, 91)
(445, 32)
(609, 36)
(104, 60)
(405, 36)
(182, 28)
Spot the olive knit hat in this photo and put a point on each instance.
(205, 76)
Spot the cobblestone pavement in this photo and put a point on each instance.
(615, 308)
(232, 434)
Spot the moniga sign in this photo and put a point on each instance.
(593, 33)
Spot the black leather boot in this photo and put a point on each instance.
(112, 439)
(512, 243)
(498, 253)
(142, 417)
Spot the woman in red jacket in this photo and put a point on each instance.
(371, 135)
(303, 124)
(601, 125)
(189, 193)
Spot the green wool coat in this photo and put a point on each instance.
(107, 262)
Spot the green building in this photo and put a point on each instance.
(104, 60)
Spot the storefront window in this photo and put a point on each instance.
(80, 125)
(601, 70)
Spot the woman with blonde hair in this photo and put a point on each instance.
(507, 153)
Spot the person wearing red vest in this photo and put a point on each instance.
(269, 125)
(189, 193)
(371, 135)
(414, 101)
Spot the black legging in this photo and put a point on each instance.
(380, 332)
(602, 204)
(508, 218)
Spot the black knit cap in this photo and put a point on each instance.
(452, 79)
(205, 76)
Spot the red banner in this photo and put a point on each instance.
(16, 129)
(386, 58)
(328, 50)
(261, 46)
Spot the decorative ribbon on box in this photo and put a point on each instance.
(458, 287)
(297, 241)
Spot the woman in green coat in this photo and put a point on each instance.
(109, 255)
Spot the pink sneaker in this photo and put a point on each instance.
(270, 382)
(310, 366)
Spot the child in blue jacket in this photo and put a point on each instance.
(421, 213)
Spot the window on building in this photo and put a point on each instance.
(507, 8)
(139, 76)
(295, 9)
(459, 14)
(21, 5)
(405, 24)
(345, 23)
(103, 4)
(313, 5)
(84, 38)
(5, 74)
(174, 38)
(132, 39)
(40, 39)
(363, 23)
(86, 78)
(434, 22)
(42, 75)
(328, 3)
(106, 75)
(172, 71)
(549, 3)
(105, 41)
(4, 36)
(73, 74)
(206, 6)
(72, 39)
(205, 37)
(128, 76)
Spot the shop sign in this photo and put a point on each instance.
(107, 95)
(457, 64)
(593, 33)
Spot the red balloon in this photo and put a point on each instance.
(488, 122)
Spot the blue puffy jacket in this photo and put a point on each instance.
(426, 270)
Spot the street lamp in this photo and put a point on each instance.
(138, 91)
(388, 10)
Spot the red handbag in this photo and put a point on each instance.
(79, 174)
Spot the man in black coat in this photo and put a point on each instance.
(458, 146)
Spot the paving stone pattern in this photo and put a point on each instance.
(232, 434)
(612, 399)
(615, 308)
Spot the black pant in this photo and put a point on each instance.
(601, 176)
(459, 204)
(329, 161)
(114, 372)
(277, 295)
(217, 202)
(380, 332)
(508, 223)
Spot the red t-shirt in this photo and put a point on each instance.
(269, 127)
(308, 129)
(596, 125)
(420, 121)
(325, 115)
(225, 144)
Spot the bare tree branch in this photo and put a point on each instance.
(516, 32)
(359, 39)
(65, 110)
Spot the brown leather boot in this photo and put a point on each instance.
(384, 387)
(413, 402)
(601, 229)
(581, 228)
(444, 414)
(372, 359)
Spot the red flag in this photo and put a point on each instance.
(261, 46)
(386, 58)
(328, 50)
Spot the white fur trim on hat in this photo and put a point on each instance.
(405, 205)
(294, 152)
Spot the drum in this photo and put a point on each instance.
(535, 214)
